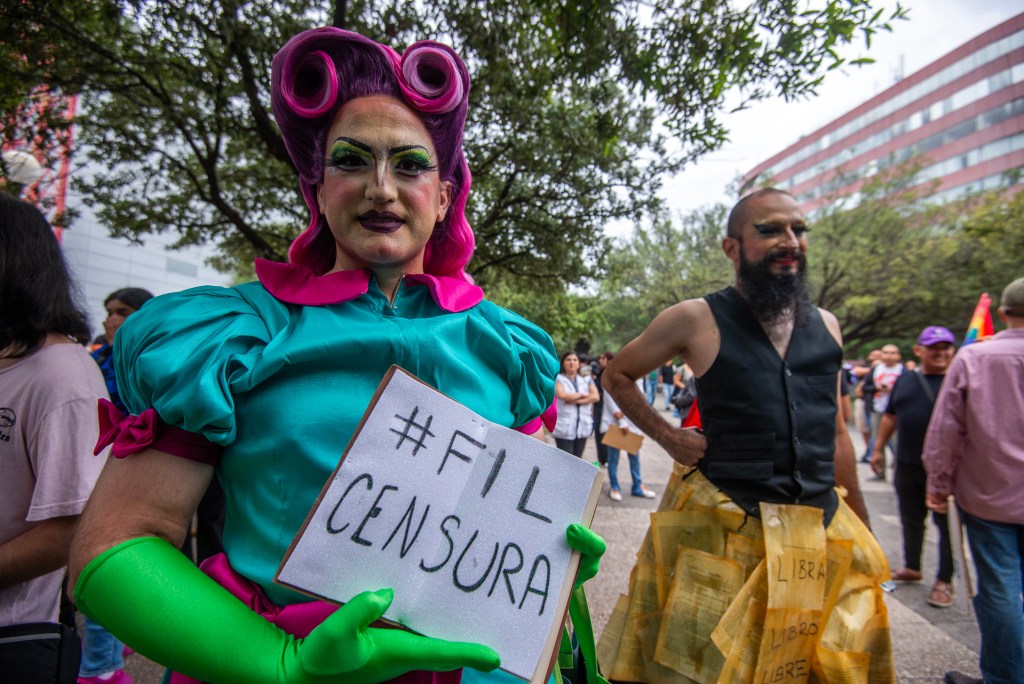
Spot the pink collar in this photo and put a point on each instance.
(295, 284)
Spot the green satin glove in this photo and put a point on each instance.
(152, 597)
(591, 547)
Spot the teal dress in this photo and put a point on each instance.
(281, 381)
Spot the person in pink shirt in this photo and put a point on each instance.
(974, 450)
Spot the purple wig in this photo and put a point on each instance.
(318, 71)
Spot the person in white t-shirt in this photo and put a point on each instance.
(49, 386)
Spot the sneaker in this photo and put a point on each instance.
(942, 595)
(645, 493)
(118, 677)
(615, 495)
(128, 650)
(960, 678)
(907, 575)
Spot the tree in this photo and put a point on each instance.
(887, 260)
(573, 319)
(572, 107)
(894, 262)
(662, 264)
(990, 232)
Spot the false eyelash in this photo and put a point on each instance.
(427, 166)
(332, 166)
(331, 163)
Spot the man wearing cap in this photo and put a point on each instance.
(974, 449)
(909, 408)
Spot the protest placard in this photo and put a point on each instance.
(464, 518)
(626, 440)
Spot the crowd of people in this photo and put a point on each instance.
(254, 387)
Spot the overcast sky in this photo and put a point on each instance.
(934, 27)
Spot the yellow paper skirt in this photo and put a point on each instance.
(720, 596)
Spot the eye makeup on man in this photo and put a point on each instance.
(348, 154)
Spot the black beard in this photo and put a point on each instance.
(770, 296)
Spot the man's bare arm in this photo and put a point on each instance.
(149, 494)
(686, 330)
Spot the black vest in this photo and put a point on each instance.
(770, 422)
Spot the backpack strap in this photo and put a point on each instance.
(926, 387)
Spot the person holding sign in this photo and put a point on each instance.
(264, 384)
(612, 415)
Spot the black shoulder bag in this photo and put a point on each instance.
(42, 652)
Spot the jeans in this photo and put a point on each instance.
(634, 471)
(910, 488)
(668, 395)
(573, 446)
(652, 391)
(870, 441)
(102, 653)
(998, 550)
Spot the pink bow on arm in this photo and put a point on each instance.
(132, 434)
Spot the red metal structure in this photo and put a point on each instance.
(50, 145)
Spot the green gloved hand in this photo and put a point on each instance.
(591, 547)
(152, 597)
(346, 638)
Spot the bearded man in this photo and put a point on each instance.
(767, 364)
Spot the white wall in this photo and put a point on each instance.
(101, 264)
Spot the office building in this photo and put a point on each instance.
(964, 113)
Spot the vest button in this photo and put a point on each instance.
(796, 474)
(796, 440)
(789, 372)
(794, 405)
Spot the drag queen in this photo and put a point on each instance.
(264, 383)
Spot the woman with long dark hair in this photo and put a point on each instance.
(48, 391)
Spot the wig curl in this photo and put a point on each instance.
(320, 70)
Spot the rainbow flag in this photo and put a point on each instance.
(981, 321)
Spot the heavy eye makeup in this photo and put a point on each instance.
(348, 155)
(768, 229)
(411, 160)
(351, 155)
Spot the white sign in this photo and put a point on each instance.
(464, 518)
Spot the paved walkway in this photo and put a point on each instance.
(927, 641)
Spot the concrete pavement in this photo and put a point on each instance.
(927, 641)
